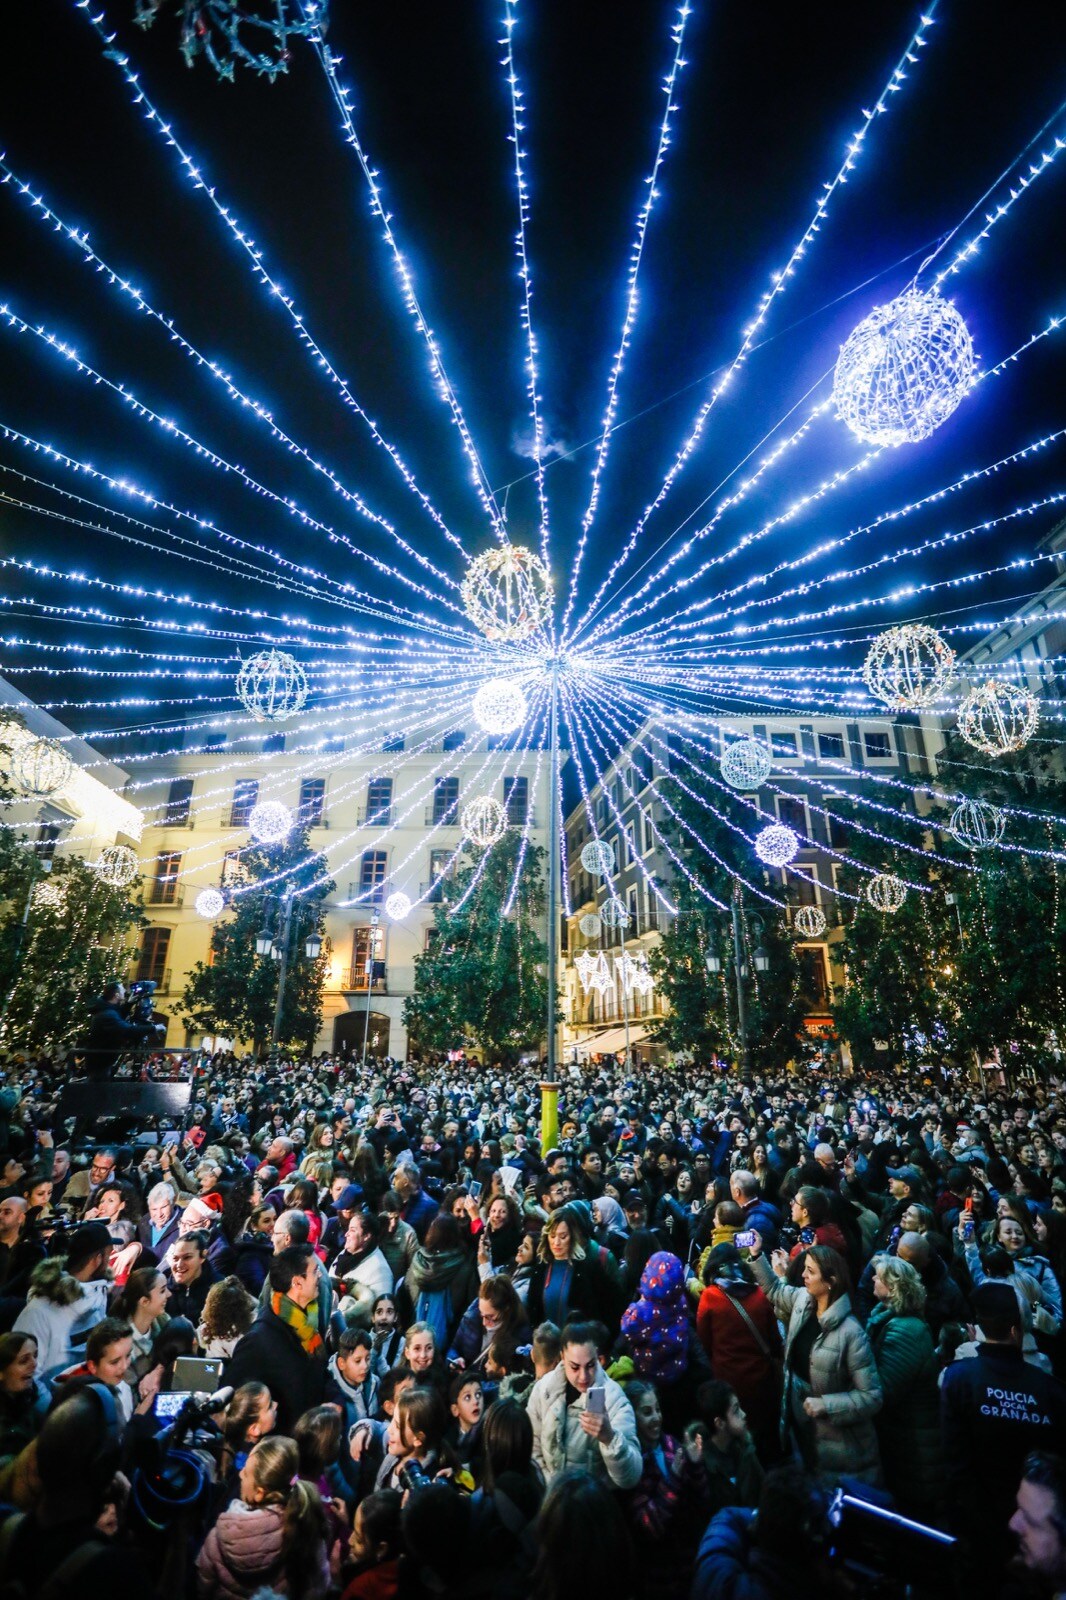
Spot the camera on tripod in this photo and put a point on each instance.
(140, 1003)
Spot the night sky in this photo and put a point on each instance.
(767, 101)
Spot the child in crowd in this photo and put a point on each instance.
(375, 1548)
(366, 1439)
(545, 1354)
(420, 1354)
(229, 1312)
(319, 1435)
(350, 1381)
(416, 1433)
(669, 1506)
(251, 1415)
(734, 1474)
(387, 1333)
(467, 1401)
(274, 1534)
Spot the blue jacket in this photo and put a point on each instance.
(729, 1567)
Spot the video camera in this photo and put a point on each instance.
(881, 1553)
(140, 1004)
(176, 1466)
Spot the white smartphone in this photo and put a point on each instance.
(597, 1400)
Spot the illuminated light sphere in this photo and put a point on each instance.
(269, 822)
(809, 922)
(500, 706)
(904, 369)
(50, 896)
(597, 857)
(591, 925)
(776, 845)
(977, 825)
(41, 767)
(998, 717)
(272, 685)
(210, 903)
(886, 892)
(507, 593)
(13, 733)
(118, 866)
(746, 764)
(908, 667)
(614, 913)
(484, 821)
(398, 906)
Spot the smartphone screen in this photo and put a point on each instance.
(597, 1400)
(475, 1191)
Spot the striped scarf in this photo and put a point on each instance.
(303, 1323)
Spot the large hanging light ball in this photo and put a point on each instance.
(500, 706)
(118, 866)
(908, 667)
(597, 857)
(210, 903)
(977, 825)
(272, 685)
(904, 369)
(269, 822)
(507, 593)
(776, 845)
(886, 892)
(398, 906)
(998, 717)
(809, 922)
(746, 764)
(614, 913)
(591, 925)
(41, 767)
(484, 821)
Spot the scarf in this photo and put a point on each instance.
(303, 1323)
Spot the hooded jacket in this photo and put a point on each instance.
(656, 1325)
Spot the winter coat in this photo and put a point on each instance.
(843, 1442)
(452, 1271)
(398, 1248)
(469, 1344)
(271, 1352)
(252, 1255)
(828, 1234)
(21, 1416)
(668, 1510)
(656, 1326)
(53, 1325)
(362, 1280)
(734, 1353)
(1049, 1312)
(594, 1296)
(243, 1553)
(908, 1425)
(559, 1440)
(730, 1567)
(357, 1401)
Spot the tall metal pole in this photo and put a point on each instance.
(283, 968)
(549, 1089)
(742, 1015)
(375, 920)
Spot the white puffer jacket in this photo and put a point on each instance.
(559, 1440)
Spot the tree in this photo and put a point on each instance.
(483, 980)
(235, 994)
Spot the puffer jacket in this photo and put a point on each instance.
(559, 1440)
(656, 1325)
(843, 1442)
(243, 1553)
(908, 1426)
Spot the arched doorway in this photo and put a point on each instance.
(351, 1026)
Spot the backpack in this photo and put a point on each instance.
(434, 1307)
(60, 1582)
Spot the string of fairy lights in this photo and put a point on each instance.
(413, 634)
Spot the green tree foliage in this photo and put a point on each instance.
(236, 993)
(483, 980)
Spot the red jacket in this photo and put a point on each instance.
(828, 1234)
(732, 1349)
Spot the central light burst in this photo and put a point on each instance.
(507, 593)
(500, 706)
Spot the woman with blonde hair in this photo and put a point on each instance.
(273, 1537)
(567, 1282)
(908, 1424)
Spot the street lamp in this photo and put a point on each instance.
(313, 946)
(264, 943)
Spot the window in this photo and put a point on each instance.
(165, 883)
(642, 765)
(233, 869)
(367, 954)
(438, 871)
(393, 746)
(454, 740)
(179, 801)
(273, 743)
(516, 799)
(831, 746)
(783, 746)
(47, 839)
(876, 744)
(445, 799)
(372, 871)
(792, 811)
(215, 741)
(379, 800)
(649, 834)
(814, 987)
(151, 966)
(631, 844)
(803, 889)
(634, 916)
(312, 801)
(838, 832)
(245, 795)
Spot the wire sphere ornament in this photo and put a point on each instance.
(904, 369)
(809, 922)
(746, 764)
(398, 906)
(886, 892)
(908, 667)
(210, 903)
(776, 845)
(41, 767)
(50, 896)
(231, 33)
(484, 821)
(269, 822)
(118, 866)
(977, 825)
(614, 913)
(500, 706)
(999, 717)
(591, 925)
(507, 593)
(272, 686)
(597, 858)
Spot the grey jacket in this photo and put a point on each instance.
(843, 1375)
(560, 1441)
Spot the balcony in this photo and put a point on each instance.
(164, 821)
(357, 980)
(374, 817)
(160, 979)
(442, 816)
(165, 894)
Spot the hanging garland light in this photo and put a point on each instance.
(507, 593)
(776, 845)
(500, 706)
(590, 925)
(904, 369)
(908, 667)
(118, 866)
(272, 686)
(886, 892)
(809, 922)
(597, 858)
(233, 33)
(41, 767)
(269, 822)
(999, 718)
(484, 821)
(398, 906)
(977, 825)
(746, 764)
(210, 903)
(50, 896)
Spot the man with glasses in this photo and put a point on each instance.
(81, 1191)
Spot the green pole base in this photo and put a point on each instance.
(549, 1117)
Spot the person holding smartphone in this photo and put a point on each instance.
(581, 1417)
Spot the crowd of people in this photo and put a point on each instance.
(350, 1332)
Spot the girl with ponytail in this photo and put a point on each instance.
(273, 1536)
